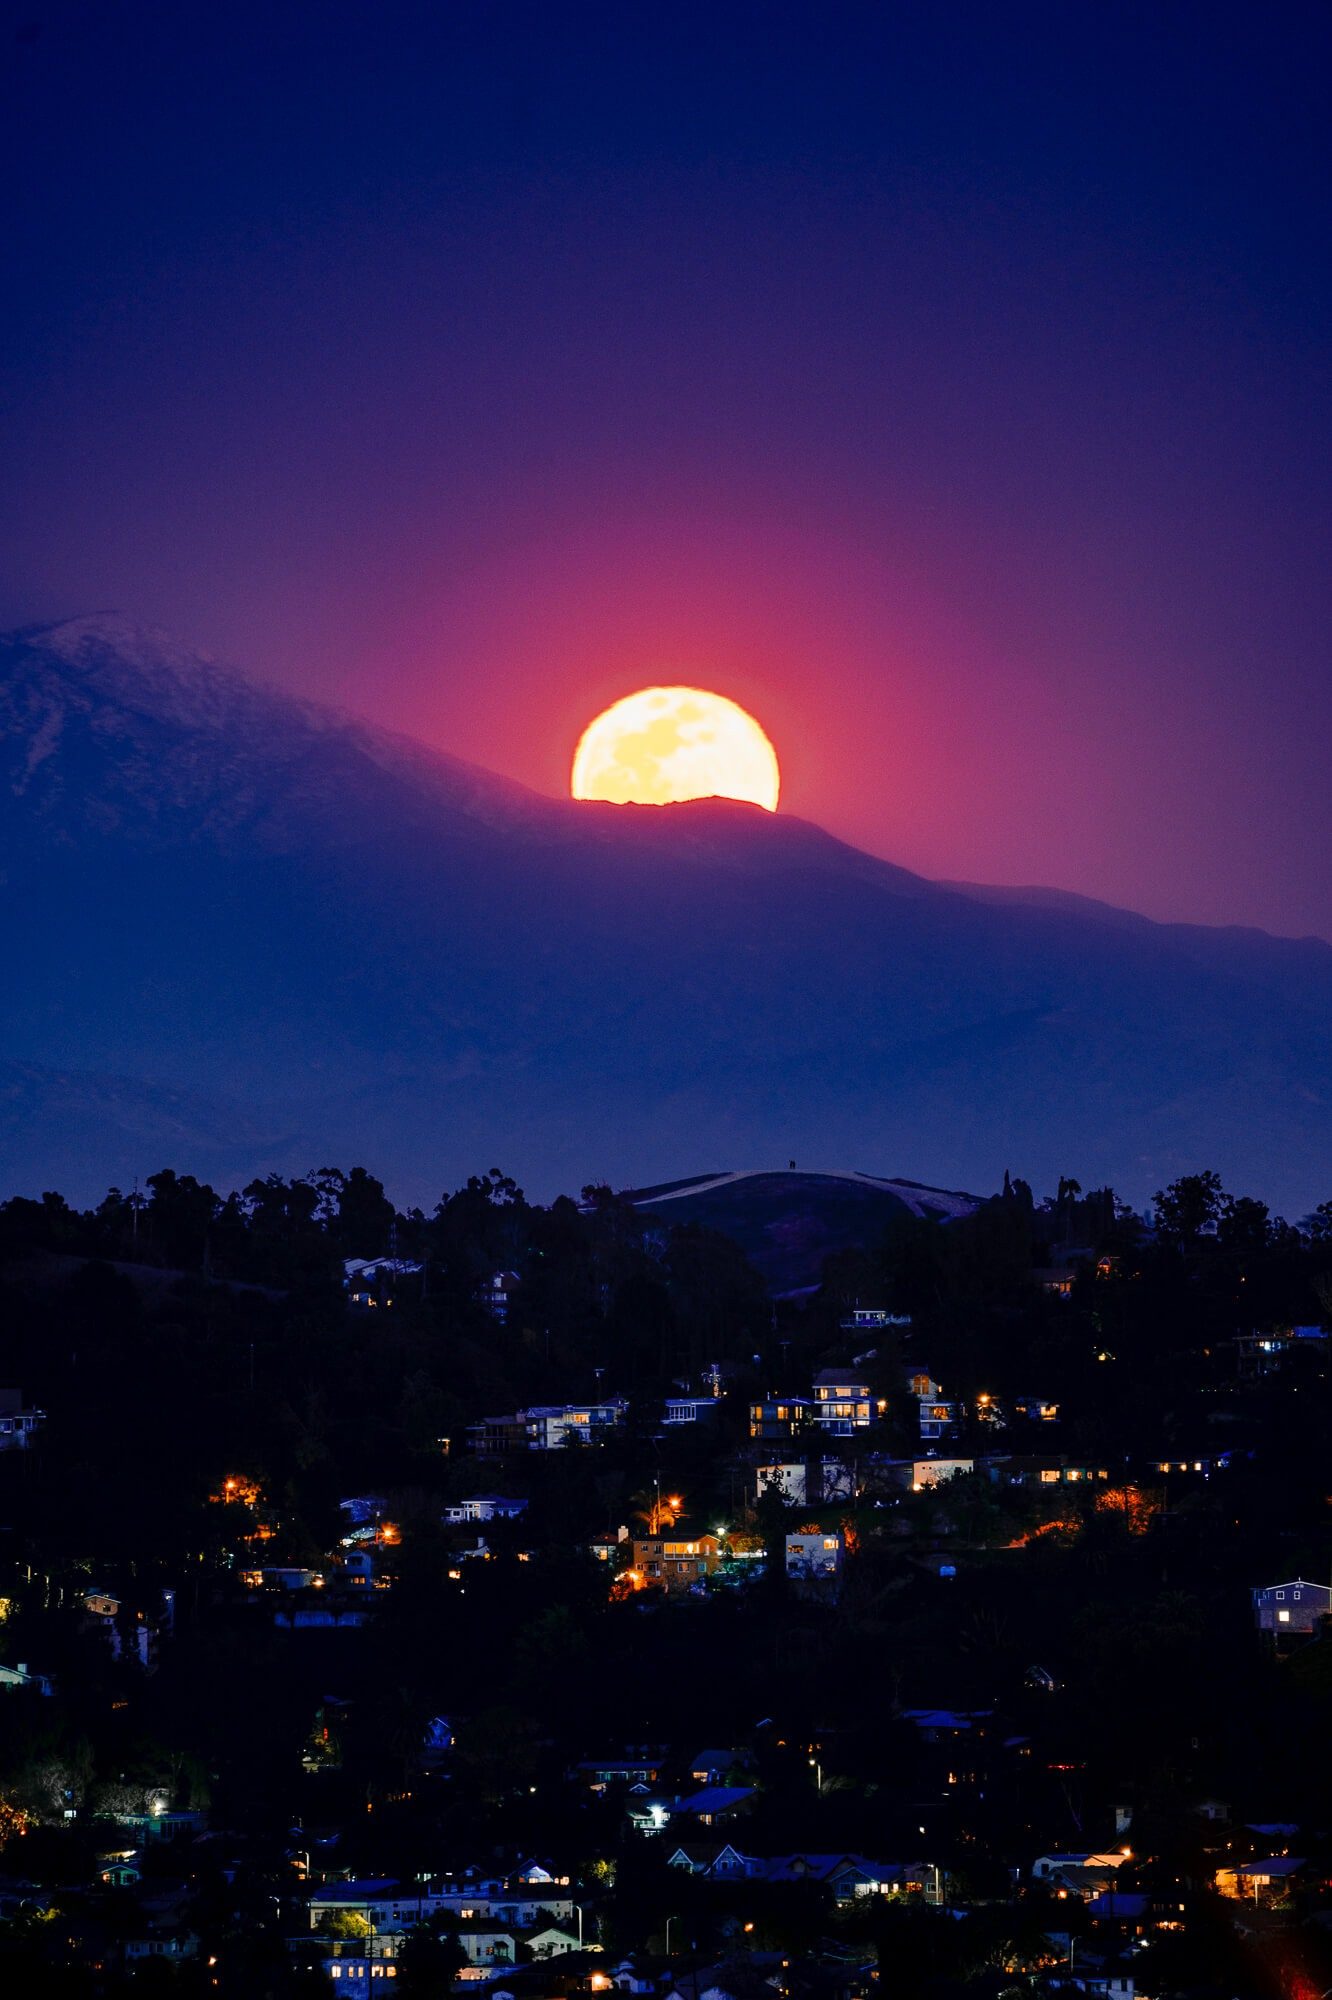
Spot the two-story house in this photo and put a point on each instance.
(497, 1437)
(872, 1319)
(678, 1557)
(790, 1480)
(691, 1409)
(939, 1415)
(1288, 1609)
(814, 1558)
(559, 1426)
(1036, 1409)
(778, 1418)
(843, 1404)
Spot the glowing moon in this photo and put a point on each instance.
(665, 744)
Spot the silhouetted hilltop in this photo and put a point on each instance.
(788, 1221)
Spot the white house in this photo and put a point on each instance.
(485, 1507)
(690, 1409)
(814, 1558)
(23, 1677)
(791, 1481)
(557, 1426)
(937, 1471)
(843, 1404)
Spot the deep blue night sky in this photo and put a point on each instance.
(948, 385)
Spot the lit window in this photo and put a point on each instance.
(1283, 1617)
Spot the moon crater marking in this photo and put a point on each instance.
(667, 744)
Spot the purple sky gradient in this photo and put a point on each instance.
(953, 393)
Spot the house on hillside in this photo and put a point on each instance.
(485, 1507)
(551, 1941)
(561, 1426)
(717, 1861)
(937, 1415)
(814, 1560)
(690, 1409)
(1270, 1879)
(1036, 1409)
(777, 1418)
(1085, 1875)
(487, 1942)
(938, 1471)
(843, 1404)
(631, 1770)
(371, 1282)
(714, 1766)
(497, 1437)
(716, 1803)
(495, 1294)
(1290, 1609)
(26, 1678)
(1040, 1471)
(677, 1558)
(789, 1479)
(18, 1426)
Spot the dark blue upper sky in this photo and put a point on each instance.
(949, 385)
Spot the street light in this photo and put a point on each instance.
(669, 1922)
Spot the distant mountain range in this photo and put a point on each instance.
(245, 933)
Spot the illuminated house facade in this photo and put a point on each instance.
(677, 1559)
(1287, 1609)
(17, 1425)
(558, 1426)
(814, 1558)
(842, 1403)
(779, 1417)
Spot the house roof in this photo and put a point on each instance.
(697, 1855)
(364, 1890)
(806, 1867)
(716, 1798)
(1127, 1905)
(1278, 1865)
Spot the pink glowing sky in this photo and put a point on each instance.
(950, 392)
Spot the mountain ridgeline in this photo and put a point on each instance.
(246, 933)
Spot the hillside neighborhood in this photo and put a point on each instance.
(528, 1601)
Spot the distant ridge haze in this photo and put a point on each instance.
(258, 934)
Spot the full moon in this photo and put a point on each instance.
(665, 744)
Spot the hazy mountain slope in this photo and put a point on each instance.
(365, 949)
